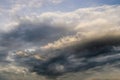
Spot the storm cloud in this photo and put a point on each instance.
(76, 57)
(54, 44)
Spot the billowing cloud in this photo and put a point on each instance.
(55, 43)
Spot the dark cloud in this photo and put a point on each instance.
(80, 56)
(27, 35)
(75, 58)
(34, 33)
(2, 78)
(67, 51)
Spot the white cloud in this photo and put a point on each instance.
(56, 1)
(27, 3)
(84, 20)
(88, 21)
(22, 7)
(36, 3)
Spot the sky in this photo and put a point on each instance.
(40, 38)
(22, 7)
(11, 9)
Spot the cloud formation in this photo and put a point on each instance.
(55, 43)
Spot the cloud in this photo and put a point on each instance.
(37, 3)
(24, 7)
(33, 3)
(72, 58)
(56, 1)
(63, 42)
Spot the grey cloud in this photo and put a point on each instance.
(75, 58)
(2, 78)
(81, 60)
(27, 35)
(32, 34)
(64, 50)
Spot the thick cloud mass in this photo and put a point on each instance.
(59, 44)
(76, 57)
